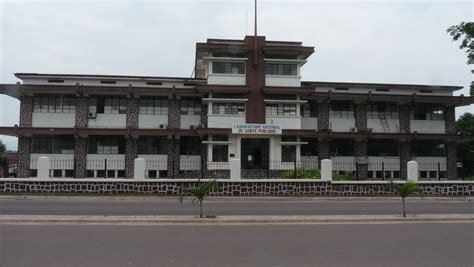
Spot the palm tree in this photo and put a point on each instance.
(404, 190)
(198, 193)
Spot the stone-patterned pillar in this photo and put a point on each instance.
(24, 146)
(174, 113)
(450, 119)
(132, 112)
(323, 116)
(361, 117)
(451, 160)
(405, 156)
(26, 111)
(173, 157)
(405, 113)
(131, 153)
(361, 159)
(80, 157)
(323, 151)
(82, 112)
(204, 155)
(204, 116)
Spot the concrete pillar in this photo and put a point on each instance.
(451, 161)
(361, 160)
(80, 157)
(26, 111)
(323, 116)
(132, 112)
(326, 170)
(131, 153)
(139, 169)
(404, 118)
(82, 112)
(405, 156)
(43, 166)
(174, 113)
(234, 165)
(24, 146)
(450, 119)
(412, 170)
(361, 117)
(323, 151)
(173, 157)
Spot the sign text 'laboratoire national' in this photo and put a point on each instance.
(240, 128)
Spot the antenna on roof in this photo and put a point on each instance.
(255, 59)
(255, 31)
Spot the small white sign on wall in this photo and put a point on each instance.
(259, 129)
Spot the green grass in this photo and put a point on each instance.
(302, 173)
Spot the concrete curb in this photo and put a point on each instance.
(51, 219)
(234, 199)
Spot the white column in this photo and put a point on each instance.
(43, 167)
(234, 165)
(412, 171)
(326, 170)
(140, 168)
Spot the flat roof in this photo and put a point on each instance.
(380, 85)
(96, 76)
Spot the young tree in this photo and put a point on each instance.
(465, 32)
(404, 190)
(199, 193)
(465, 150)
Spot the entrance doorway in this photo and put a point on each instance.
(255, 153)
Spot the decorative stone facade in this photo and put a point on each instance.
(450, 119)
(404, 121)
(451, 161)
(174, 113)
(204, 116)
(362, 166)
(173, 157)
(361, 117)
(80, 157)
(323, 151)
(405, 156)
(232, 188)
(82, 112)
(132, 112)
(323, 116)
(131, 153)
(24, 145)
(26, 111)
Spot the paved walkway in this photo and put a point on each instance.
(138, 206)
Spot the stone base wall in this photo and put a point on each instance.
(231, 188)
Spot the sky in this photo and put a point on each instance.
(355, 41)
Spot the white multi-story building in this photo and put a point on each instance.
(247, 101)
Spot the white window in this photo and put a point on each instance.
(228, 67)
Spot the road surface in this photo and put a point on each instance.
(236, 206)
(400, 244)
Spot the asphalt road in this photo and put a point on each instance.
(171, 206)
(409, 244)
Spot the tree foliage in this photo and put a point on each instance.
(465, 124)
(464, 31)
(3, 159)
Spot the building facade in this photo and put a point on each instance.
(246, 102)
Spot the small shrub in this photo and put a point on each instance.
(468, 178)
(342, 176)
(302, 173)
